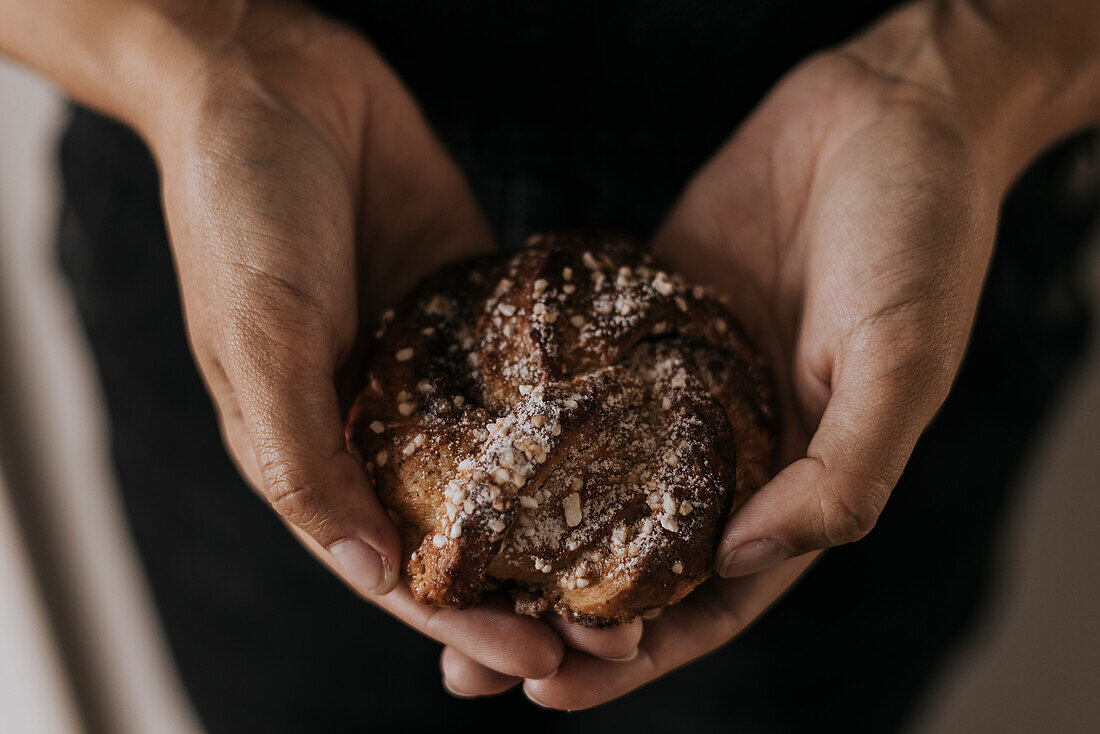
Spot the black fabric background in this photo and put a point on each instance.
(266, 641)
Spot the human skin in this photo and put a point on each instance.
(302, 191)
(851, 221)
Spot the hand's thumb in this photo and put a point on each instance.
(291, 423)
(879, 405)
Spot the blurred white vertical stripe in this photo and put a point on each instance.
(133, 684)
(34, 692)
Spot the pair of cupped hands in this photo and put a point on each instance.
(849, 219)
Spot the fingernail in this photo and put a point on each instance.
(652, 614)
(453, 692)
(756, 555)
(362, 565)
(629, 656)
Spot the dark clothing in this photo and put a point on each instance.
(597, 112)
(566, 113)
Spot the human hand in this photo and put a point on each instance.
(852, 242)
(303, 191)
(851, 221)
(295, 190)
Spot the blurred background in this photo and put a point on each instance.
(80, 649)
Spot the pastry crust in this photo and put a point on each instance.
(568, 421)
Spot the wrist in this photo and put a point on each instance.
(125, 58)
(1010, 85)
(162, 66)
(272, 58)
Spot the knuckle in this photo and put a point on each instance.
(849, 513)
(846, 521)
(294, 497)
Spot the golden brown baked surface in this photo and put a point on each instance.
(568, 421)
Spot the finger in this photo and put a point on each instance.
(236, 437)
(491, 633)
(466, 678)
(715, 613)
(278, 373)
(613, 643)
(885, 388)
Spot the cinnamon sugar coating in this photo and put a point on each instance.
(570, 422)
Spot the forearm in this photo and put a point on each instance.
(122, 57)
(1016, 75)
